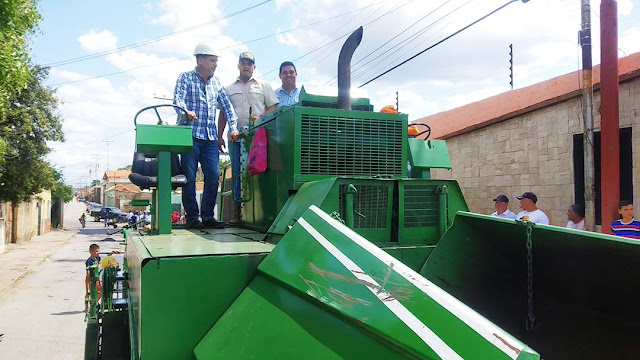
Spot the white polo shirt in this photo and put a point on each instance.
(537, 216)
(508, 214)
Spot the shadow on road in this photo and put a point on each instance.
(68, 313)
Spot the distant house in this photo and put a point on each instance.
(118, 191)
(531, 139)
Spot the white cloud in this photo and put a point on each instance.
(94, 41)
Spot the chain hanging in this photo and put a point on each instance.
(531, 319)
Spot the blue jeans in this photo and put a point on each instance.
(235, 172)
(207, 154)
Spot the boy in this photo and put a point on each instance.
(94, 258)
(628, 226)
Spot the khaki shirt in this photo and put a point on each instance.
(255, 94)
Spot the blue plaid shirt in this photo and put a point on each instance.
(287, 99)
(194, 94)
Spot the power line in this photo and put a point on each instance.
(343, 35)
(441, 41)
(224, 48)
(401, 44)
(150, 41)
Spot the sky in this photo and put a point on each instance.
(109, 59)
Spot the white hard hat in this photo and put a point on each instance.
(204, 48)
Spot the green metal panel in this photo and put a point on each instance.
(154, 138)
(585, 294)
(269, 322)
(181, 284)
(140, 202)
(429, 154)
(322, 101)
(373, 205)
(320, 262)
(420, 209)
(309, 144)
(311, 193)
(412, 256)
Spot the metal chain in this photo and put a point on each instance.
(531, 319)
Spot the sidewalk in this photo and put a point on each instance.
(19, 260)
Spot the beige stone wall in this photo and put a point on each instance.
(534, 153)
(27, 217)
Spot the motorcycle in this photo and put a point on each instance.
(83, 221)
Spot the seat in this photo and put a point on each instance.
(144, 171)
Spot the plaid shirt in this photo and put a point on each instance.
(194, 94)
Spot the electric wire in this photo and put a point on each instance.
(190, 56)
(438, 43)
(360, 71)
(150, 41)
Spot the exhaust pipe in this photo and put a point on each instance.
(344, 69)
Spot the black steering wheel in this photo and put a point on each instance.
(426, 131)
(155, 108)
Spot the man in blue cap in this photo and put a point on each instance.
(251, 99)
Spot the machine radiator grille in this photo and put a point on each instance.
(420, 206)
(370, 201)
(347, 146)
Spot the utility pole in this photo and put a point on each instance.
(511, 65)
(587, 117)
(397, 102)
(610, 122)
(107, 142)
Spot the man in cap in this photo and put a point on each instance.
(530, 211)
(501, 204)
(251, 99)
(288, 94)
(200, 94)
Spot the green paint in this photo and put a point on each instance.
(582, 284)
(156, 138)
(181, 284)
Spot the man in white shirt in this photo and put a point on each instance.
(530, 211)
(501, 204)
(575, 215)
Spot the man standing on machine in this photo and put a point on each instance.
(200, 93)
(251, 99)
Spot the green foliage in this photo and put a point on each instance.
(127, 168)
(60, 189)
(95, 182)
(18, 20)
(31, 120)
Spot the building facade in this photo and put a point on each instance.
(531, 139)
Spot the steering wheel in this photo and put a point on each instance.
(155, 108)
(426, 131)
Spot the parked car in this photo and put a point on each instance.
(115, 215)
(93, 208)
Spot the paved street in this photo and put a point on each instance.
(42, 290)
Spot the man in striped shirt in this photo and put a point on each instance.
(288, 94)
(200, 93)
(628, 226)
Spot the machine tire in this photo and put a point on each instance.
(96, 219)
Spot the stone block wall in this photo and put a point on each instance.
(534, 153)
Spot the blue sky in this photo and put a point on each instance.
(469, 67)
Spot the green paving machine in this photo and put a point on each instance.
(345, 255)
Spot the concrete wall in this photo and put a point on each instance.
(33, 217)
(534, 153)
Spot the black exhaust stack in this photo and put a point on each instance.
(344, 69)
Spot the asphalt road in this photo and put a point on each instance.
(42, 316)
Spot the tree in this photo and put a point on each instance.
(31, 120)
(127, 168)
(18, 20)
(95, 182)
(60, 189)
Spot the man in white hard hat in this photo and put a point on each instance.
(200, 94)
(251, 99)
